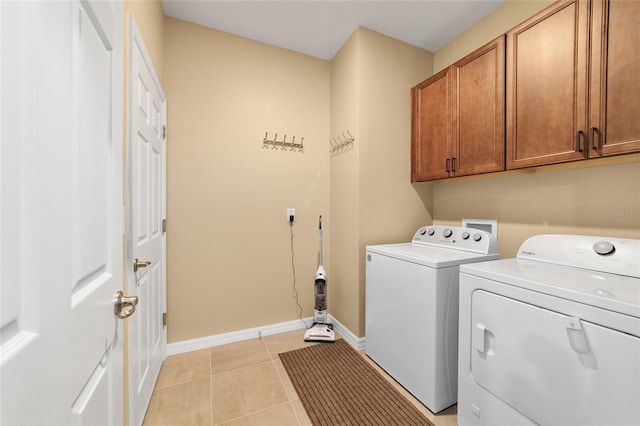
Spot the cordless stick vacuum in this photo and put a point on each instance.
(321, 330)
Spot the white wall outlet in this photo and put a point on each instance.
(291, 215)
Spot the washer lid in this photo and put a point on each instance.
(613, 292)
(431, 256)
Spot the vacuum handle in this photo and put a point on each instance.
(320, 236)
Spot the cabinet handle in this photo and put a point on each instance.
(592, 138)
(453, 164)
(446, 165)
(578, 134)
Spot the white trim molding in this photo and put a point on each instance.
(252, 333)
(357, 342)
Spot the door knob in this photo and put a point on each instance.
(137, 264)
(124, 306)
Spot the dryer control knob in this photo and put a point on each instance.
(465, 235)
(477, 237)
(423, 231)
(432, 231)
(447, 233)
(604, 247)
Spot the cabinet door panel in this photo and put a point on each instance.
(431, 132)
(478, 82)
(615, 81)
(546, 96)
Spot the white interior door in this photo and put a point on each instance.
(61, 212)
(147, 121)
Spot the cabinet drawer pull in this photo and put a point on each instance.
(453, 164)
(578, 134)
(592, 138)
(446, 165)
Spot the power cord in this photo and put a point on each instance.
(293, 269)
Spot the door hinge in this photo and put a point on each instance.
(164, 226)
(164, 131)
(164, 319)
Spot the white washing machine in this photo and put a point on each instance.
(552, 337)
(412, 308)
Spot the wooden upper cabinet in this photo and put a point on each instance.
(431, 127)
(546, 86)
(614, 120)
(478, 111)
(569, 96)
(572, 93)
(458, 117)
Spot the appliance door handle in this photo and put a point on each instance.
(479, 338)
(577, 336)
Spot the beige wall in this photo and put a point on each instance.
(229, 258)
(344, 277)
(372, 199)
(602, 200)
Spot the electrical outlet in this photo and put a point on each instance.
(291, 215)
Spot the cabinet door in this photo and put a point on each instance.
(431, 128)
(614, 125)
(478, 118)
(546, 91)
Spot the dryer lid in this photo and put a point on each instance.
(620, 256)
(616, 293)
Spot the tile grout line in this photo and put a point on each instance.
(295, 413)
(211, 399)
(274, 358)
(210, 386)
(254, 413)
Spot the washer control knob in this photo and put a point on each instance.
(447, 233)
(431, 232)
(465, 235)
(477, 237)
(423, 231)
(604, 247)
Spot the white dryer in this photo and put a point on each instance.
(412, 308)
(552, 337)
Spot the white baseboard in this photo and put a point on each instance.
(252, 333)
(357, 342)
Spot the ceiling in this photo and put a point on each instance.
(320, 27)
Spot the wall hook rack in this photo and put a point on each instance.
(342, 144)
(283, 144)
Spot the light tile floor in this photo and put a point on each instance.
(241, 383)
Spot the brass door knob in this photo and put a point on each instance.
(137, 264)
(124, 306)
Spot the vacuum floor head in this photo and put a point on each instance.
(320, 333)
